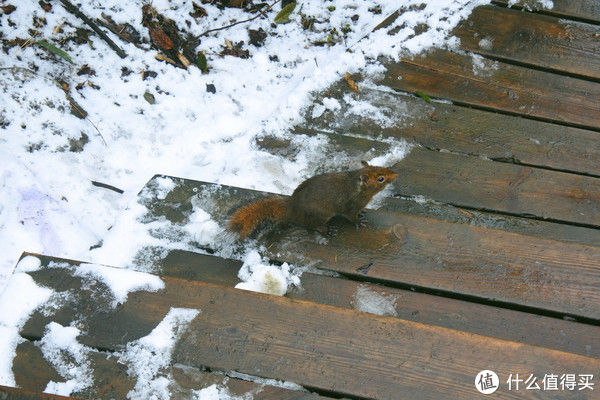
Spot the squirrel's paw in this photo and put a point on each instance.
(361, 220)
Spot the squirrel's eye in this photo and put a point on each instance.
(381, 179)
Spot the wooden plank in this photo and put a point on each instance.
(509, 88)
(111, 381)
(467, 260)
(317, 346)
(482, 184)
(525, 226)
(585, 10)
(450, 127)
(532, 39)
(515, 189)
(11, 393)
(451, 313)
(26, 375)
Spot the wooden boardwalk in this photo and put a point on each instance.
(499, 267)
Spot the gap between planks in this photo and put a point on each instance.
(447, 257)
(316, 346)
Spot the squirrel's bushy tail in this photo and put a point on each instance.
(246, 218)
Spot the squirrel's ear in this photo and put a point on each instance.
(364, 179)
(364, 163)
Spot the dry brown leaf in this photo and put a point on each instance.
(228, 43)
(351, 83)
(160, 39)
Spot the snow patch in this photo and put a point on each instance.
(260, 277)
(20, 297)
(120, 281)
(28, 264)
(148, 357)
(533, 5)
(201, 227)
(217, 392)
(70, 358)
(267, 382)
(163, 187)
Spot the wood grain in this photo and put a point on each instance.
(449, 127)
(465, 260)
(537, 40)
(406, 304)
(315, 345)
(587, 10)
(111, 381)
(508, 88)
(525, 226)
(483, 184)
(11, 393)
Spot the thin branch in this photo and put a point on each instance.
(74, 10)
(107, 186)
(262, 12)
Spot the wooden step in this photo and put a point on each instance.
(586, 10)
(111, 380)
(325, 348)
(507, 188)
(447, 312)
(458, 259)
(453, 128)
(509, 88)
(85, 302)
(535, 40)
(11, 393)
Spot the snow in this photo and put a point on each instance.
(267, 382)
(216, 392)
(28, 264)
(258, 276)
(20, 297)
(70, 359)
(148, 357)
(120, 281)
(533, 4)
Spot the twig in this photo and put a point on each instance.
(262, 12)
(107, 186)
(74, 10)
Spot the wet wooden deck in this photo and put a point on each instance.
(499, 267)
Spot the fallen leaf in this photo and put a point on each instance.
(201, 62)
(283, 16)
(54, 50)
(423, 96)
(351, 83)
(160, 39)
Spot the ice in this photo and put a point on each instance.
(368, 300)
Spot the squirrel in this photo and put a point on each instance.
(316, 200)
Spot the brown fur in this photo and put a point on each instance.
(246, 218)
(316, 200)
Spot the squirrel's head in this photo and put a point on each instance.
(374, 179)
